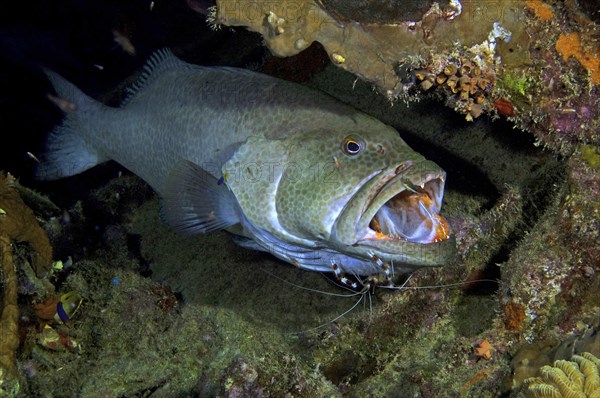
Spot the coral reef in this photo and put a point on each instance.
(291, 26)
(9, 321)
(579, 377)
(557, 99)
(167, 315)
(465, 83)
(424, 45)
(532, 62)
(377, 11)
(186, 331)
(569, 45)
(557, 266)
(210, 322)
(17, 224)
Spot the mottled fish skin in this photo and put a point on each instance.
(265, 158)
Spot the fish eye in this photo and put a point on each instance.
(352, 146)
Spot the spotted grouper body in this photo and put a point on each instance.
(287, 169)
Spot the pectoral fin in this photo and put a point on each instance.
(194, 201)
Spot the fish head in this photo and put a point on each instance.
(366, 193)
(362, 194)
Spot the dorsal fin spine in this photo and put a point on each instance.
(161, 61)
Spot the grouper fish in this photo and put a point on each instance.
(287, 169)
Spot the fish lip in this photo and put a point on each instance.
(424, 175)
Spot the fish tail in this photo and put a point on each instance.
(67, 152)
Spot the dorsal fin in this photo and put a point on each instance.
(161, 61)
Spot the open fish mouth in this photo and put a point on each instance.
(394, 217)
(412, 215)
(407, 209)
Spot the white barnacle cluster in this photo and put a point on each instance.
(275, 23)
(497, 32)
(454, 10)
(487, 49)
